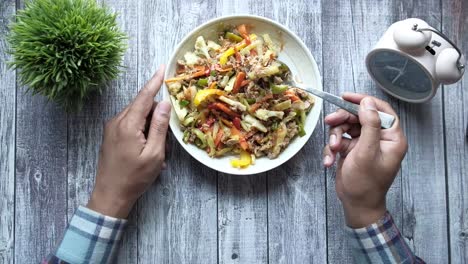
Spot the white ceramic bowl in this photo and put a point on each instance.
(295, 54)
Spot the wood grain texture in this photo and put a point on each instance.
(124, 90)
(296, 190)
(41, 176)
(350, 29)
(192, 214)
(423, 170)
(455, 25)
(7, 138)
(85, 129)
(242, 200)
(177, 216)
(242, 219)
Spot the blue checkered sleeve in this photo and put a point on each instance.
(90, 238)
(380, 242)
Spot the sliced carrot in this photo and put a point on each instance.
(242, 29)
(292, 95)
(219, 136)
(257, 105)
(224, 108)
(243, 143)
(244, 33)
(237, 85)
(201, 71)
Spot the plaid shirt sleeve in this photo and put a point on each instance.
(380, 242)
(90, 238)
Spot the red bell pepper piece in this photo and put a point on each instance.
(236, 122)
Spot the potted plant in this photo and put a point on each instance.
(66, 49)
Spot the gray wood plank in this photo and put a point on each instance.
(177, 216)
(177, 219)
(350, 29)
(297, 190)
(455, 25)
(242, 200)
(41, 176)
(122, 92)
(7, 138)
(423, 170)
(242, 219)
(86, 128)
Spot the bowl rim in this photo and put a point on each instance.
(310, 57)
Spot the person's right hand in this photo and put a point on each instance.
(130, 160)
(368, 163)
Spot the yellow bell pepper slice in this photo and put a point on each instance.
(243, 44)
(202, 95)
(225, 56)
(244, 161)
(223, 59)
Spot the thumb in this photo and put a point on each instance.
(158, 127)
(369, 141)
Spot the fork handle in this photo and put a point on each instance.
(386, 120)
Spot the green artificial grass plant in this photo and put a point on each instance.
(66, 49)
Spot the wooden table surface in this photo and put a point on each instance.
(193, 214)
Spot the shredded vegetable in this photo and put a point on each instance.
(232, 97)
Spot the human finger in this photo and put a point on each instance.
(156, 141)
(341, 116)
(328, 156)
(381, 104)
(335, 135)
(141, 106)
(369, 141)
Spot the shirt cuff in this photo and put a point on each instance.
(380, 242)
(90, 237)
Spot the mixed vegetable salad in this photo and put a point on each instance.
(231, 97)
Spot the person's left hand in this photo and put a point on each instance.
(129, 161)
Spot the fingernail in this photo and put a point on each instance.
(369, 104)
(164, 108)
(327, 160)
(332, 139)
